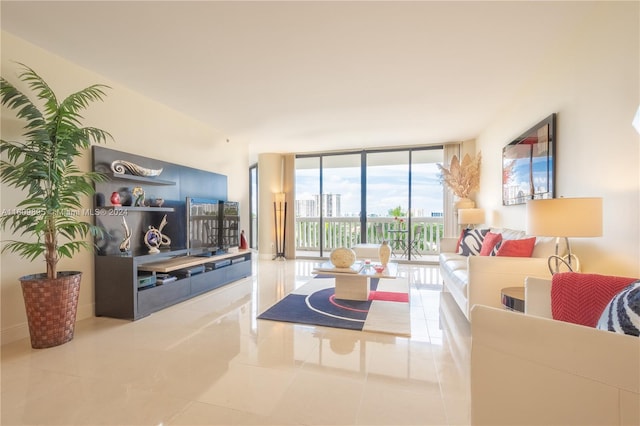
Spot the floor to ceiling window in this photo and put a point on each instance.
(387, 186)
(427, 202)
(308, 204)
(343, 199)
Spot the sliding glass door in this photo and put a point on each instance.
(343, 199)
(307, 205)
(427, 203)
(387, 191)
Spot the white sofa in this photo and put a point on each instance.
(530, 369)
(479, 279)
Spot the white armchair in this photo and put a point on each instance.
(530, 369)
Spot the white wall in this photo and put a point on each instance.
(270, 182)
(139, 126)
(592, 83)
(275, 174)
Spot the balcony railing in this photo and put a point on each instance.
(346, 232)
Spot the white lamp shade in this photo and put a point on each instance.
(565, 217)
(470, 216)
(279, 197)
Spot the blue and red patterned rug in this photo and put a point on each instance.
(386, 311)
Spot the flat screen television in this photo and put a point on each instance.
(203, 224)
(528, 164)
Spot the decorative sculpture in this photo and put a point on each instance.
(384, 253)
(153, 239)
(164, 240)
(125, 245)
(343, 257)
(115, 199)
(122, 166)
(243, 241)
(138, 192)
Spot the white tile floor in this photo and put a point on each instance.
(208, 361)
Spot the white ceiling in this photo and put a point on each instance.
(310, 76)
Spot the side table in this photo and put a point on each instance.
(513, 298)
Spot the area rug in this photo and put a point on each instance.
(386, 311)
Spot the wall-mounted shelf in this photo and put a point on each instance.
(149, 180)
(124, 284)
(138, 209)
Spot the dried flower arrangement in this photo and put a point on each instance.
(462, 178)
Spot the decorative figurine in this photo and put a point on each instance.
(384, 252)
(153, 239)
(115, 199)
(164, 240)
(125, 245)
(243, 241)
(121, 167)
(138, 192)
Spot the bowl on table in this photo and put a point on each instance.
(379, 268)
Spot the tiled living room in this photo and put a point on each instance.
(209, 361)
(221, 87)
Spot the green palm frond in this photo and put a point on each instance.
(25, 109)
(41, 90)
(43, 165)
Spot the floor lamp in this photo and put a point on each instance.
(280, 218)
(564, 218)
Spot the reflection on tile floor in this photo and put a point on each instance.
(209, 361)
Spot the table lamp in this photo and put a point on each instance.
(470, 217)
(564, 218)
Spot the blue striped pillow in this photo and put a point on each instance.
(470, 242)
(622, 314)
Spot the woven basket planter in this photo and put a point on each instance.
(51, 306)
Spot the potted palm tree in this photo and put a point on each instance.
(48, 220)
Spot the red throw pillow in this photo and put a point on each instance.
(517, 248)
(459, 241)
(489, 242)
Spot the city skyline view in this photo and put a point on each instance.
(387, 188)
